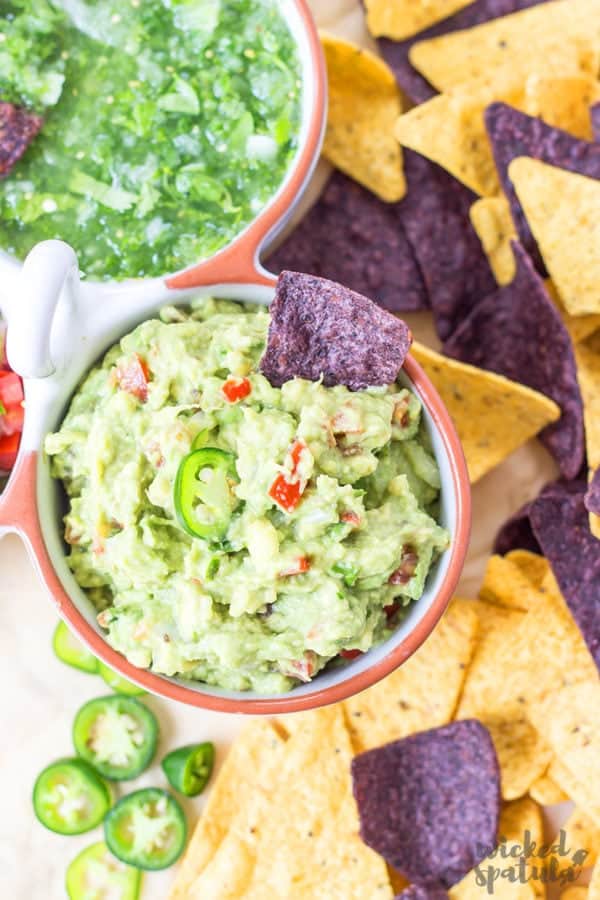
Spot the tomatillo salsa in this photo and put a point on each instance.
(235, 533)
(167, 126)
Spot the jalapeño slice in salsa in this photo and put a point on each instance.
(117, 735)
(146, 829)
(96, 873)
(189, 768)
(69, 797)
(202, 497)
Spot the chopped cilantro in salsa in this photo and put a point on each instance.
(168, 126)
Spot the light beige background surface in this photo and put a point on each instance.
(39, 696)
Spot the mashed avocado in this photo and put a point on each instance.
(316, 505)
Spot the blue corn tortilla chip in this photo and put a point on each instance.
(560, 522)
(517, 534)
(435, 217)
(513, 134)
(517, 332)
(422, 892)
(431, 835)
(595, 117)
(321, 329)
(18, 128)
(353, 237)
(592, 497)
(396, 53)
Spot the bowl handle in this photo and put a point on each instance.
(49, 271)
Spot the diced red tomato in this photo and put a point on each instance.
(285, 494)
(350, 518)
(350, 654)
(11, 389)
(300, 565)
(236, 389)
(296, 454)
(11, 422)
(303, 669)
(9, 446)
(287, 491)
(134, 377)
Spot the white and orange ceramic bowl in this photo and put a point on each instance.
(58, 328)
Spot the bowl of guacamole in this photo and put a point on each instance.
(243, 532)
(163, 129)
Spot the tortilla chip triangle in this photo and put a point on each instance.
(493, 416)
(493, 223)
(563, 211)
(403, 18)
(558, 38)
(305, 843)
(364, 103)
(450, 128)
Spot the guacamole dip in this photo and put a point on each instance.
(233, 532)
(167, 126)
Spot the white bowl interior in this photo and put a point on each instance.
(47, 400)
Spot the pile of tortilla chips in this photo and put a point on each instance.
(281, 820)
(485, 211)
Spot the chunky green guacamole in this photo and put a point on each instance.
(314, 534)
(168, 126)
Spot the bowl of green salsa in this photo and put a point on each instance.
(168, 129)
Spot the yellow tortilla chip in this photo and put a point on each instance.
(579, 327)
(522, 754)
(564, 102)
(399, 19)
(489, 696)
(518, 817)
(472, 887)
(582, 833)
(364, 103)
(505, 584)
(308, 845)
(295, 834)
(422, 693)
(450, 128)
(546, 792)
(575, 789)
(532, 565)
(493, 223)
(493, 416)
(588, 374)
(559, 39)
(568, 720)
(234, 799)
(594, 885)
(563, 211)
(576, 892)
(486, 686)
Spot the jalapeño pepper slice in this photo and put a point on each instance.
(71, 651)
(189, 768)
(202, 496)
(95, 873)
(146, 829)
(69, 797)
(118, 684)
(117, 735)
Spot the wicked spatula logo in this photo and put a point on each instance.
(530, 861)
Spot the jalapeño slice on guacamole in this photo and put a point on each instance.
(168, 126)
(238, 533)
